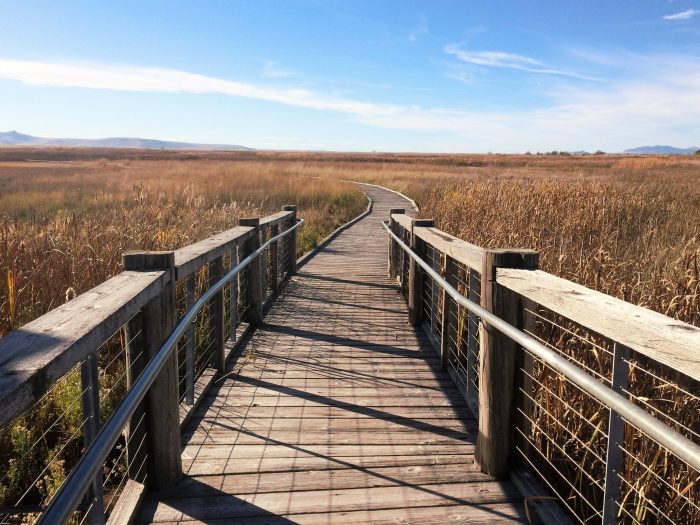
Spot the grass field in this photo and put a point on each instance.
(64, 224)
(627, 226)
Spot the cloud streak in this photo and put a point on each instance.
(663, 105)
(683, 15)
(148, 79)
(272, 70)
(420, 31)
(502, 59)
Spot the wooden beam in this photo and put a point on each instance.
(394, 249)
(275, 260)
(415, 275)
(292, 239)
(127, 506)
(449, 310)
(162, 410)
(405, 221)
(34, 356)
(191, 258)
(498, 355)
(217, 315)
(254, 273)
(461, 251)
(276, 218)
(666, 340)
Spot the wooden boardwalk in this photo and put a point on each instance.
(339, 413)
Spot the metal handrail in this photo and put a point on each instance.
(678, 444)
(66, 500)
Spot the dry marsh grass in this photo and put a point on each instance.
(63, 226)
(625, 226)
(628, 226)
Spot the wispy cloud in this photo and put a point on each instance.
(272, 70)
(502, 59)
(460, 76)
(658, 102)
(683, 15)
(420, 31)
(147, 79)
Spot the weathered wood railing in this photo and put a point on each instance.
(67, 371)
(534, 421)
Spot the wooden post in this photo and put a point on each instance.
(449, 310)
(190, 286)
(254, 286)
(415, 274)
(89, 383)
(264, 236)
(525, 385)
(136, 430)
(275, 259)
(394, 250)
(162, 400)
(498, 356)
(473, 342)
(435, 294)
(404, 260)
(217, 315)
(292, 239)
(233, 296)
(614, 461)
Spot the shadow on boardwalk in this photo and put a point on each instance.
(341, 413)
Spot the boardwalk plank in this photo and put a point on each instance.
(339, 413)
(217, 504)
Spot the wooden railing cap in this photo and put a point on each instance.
(139, 260)
(249, 221)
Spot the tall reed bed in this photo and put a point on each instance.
(636, 238)
(64, 226)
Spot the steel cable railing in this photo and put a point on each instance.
(78, 481)
(676, 443)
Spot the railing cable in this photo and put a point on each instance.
(69, 495)
(676, 443)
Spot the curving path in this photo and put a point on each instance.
(340, 414)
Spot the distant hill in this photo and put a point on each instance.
(662, 150)
(13, 138)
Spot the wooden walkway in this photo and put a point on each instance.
(340, 412)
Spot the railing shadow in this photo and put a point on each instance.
(390, 480)
(194, 509)
(371, 412)
(307, 275)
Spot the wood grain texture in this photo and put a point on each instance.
(497, 359)
(254, 273)
(126, 508)
(461, 251)
(192, 257)
(33, 357)
(339, 412)
(276, 218)
(161, 405)
(670, 342)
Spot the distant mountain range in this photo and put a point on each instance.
(662, 150)
(13, 138)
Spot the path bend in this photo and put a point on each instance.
(342, 413)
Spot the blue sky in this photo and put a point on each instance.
(444, 76)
